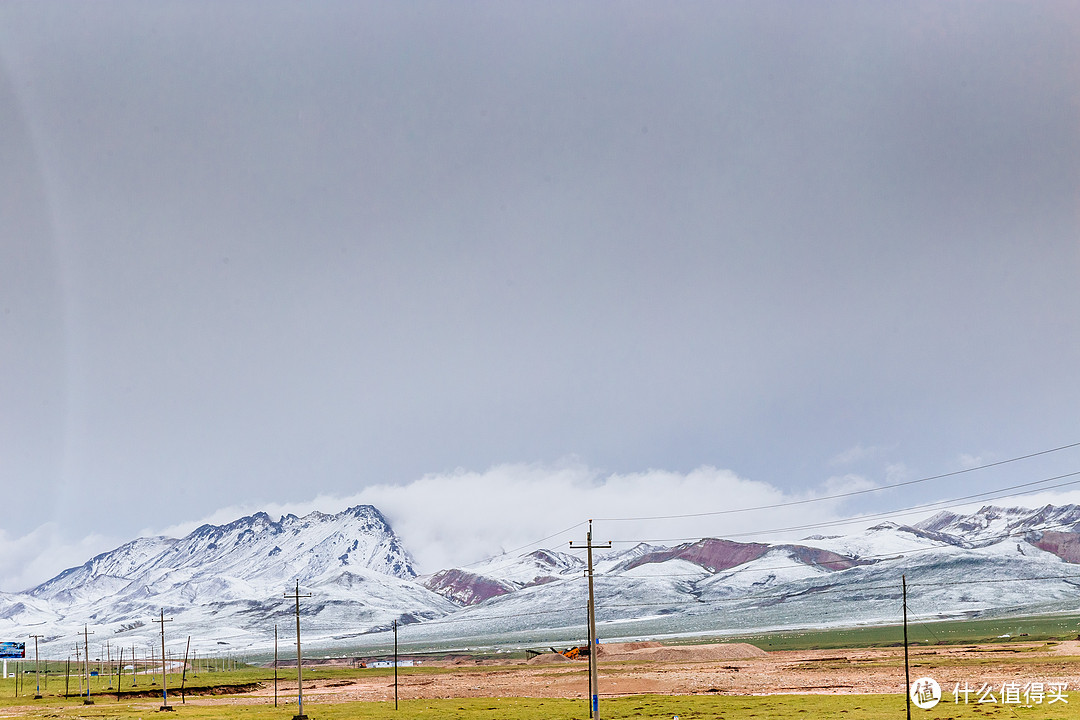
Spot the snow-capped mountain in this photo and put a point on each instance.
(502, 575)
(997, 560)
(228, 586)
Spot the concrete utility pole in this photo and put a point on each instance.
(119, 672)
(299, 658)
(37, 673)
(183, 678)
(86, 664)
(164, 685)
(594, 694)
(907, 670)
(395, 666)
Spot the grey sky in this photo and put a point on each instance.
(252, 253)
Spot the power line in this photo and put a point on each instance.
(771, 506)
(845, 494)
(505, 553)
(837, 496)
(988, 495)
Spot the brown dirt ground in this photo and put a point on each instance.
(728, 668)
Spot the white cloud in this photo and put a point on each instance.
(859, 453)
(44, 552)
(848, 483)
(968, 462)
(897, 473)
(460, 517)
(452, 519)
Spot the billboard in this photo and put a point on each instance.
(12, 650)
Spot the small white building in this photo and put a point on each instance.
(390, 663)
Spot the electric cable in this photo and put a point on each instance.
(852, 493)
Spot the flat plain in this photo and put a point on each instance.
(1006, 679)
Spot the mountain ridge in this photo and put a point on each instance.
(233, 578)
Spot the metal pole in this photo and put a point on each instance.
(275, 666)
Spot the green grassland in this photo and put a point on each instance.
(940, 632)
(207, 691)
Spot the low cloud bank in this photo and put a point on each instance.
(458, 518)
(43, 553)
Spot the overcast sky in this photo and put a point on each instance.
(501, 266)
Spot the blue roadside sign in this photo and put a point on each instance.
(12, 650)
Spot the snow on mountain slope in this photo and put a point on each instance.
(502, 575)
(227, 585)
(993, 524)
(838, 580)
(118, 563)
(880, 542)
(230, 581)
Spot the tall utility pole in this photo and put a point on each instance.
(37, 674)
(119, 673)
(395, 665)
(299, 658)
(183, 678)
(594, 694)
(164, 685)
(86, 664)
(907, 670)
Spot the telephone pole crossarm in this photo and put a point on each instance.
(37, 672)
(164, 689)
(299, 658)
(594, 642)
(86, 662)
